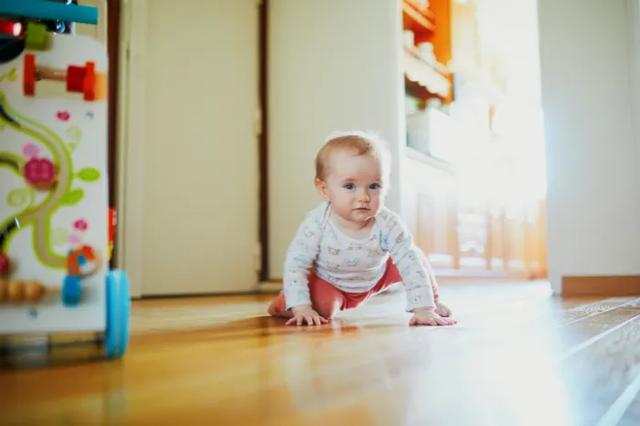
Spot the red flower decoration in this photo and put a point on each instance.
(4, 264)
(40, 172)
(63, 115)
(81, 225)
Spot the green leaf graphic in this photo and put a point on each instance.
(89, 174)
(72, 197)
(59, 237)
(18, 198)
(74, 133)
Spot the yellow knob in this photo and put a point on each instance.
(15, 291)
(33, 291)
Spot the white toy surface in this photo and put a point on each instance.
(53, 193)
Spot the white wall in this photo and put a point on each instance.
(592, 153)
(333, 65)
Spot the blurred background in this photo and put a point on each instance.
(512, 126)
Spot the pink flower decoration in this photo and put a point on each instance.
(81, 225)
(30, 150)
(75, 240)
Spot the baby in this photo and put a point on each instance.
(351, 247)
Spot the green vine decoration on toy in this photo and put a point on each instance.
(10, 75)
(39, 216)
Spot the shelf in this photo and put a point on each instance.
(429, 160)
(442, 69)
(433, 77)
(414, 20)
(427, 13)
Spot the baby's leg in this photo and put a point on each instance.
(325, 299)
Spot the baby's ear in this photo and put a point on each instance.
(321, 186)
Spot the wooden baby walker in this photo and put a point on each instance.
(57, 294)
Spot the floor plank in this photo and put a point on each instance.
(517, 356)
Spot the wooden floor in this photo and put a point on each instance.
(517, 357)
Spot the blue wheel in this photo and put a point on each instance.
(118, 307)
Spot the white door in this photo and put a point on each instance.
(189, 191)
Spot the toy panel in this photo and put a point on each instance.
(53, 187)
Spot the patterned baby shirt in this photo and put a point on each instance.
(354, 265)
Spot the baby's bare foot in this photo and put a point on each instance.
(277, 311)
(442, 310)
(273, 310)
(277, 308)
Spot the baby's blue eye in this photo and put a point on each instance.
(375, 186)
(349, 186)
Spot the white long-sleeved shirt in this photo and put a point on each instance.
(353, 265)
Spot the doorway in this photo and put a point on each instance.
(188, 159)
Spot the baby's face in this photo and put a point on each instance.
(354, 186)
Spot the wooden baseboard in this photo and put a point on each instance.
(270, 286)
(623, 285)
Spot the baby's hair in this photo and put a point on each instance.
(358, 142)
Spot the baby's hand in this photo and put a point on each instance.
(428, 316)
(306, 313)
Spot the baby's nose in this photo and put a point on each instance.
(364, 195)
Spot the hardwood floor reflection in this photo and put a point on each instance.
(517, 357)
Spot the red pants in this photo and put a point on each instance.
(326, 299)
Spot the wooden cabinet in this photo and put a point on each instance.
(461, 218)
(427, 49)
(431, 200)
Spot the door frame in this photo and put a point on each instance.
(130, 141)
(263, 146)
(129, 138)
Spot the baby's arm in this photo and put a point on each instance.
(301, 254)
(415, 275)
